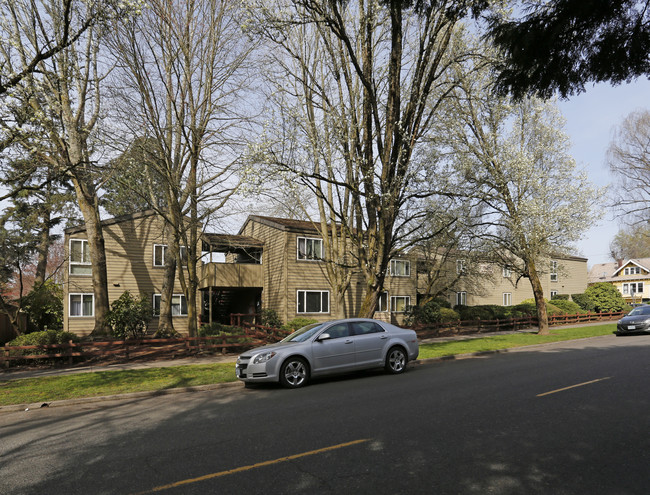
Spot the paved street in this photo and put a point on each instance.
(566, 418)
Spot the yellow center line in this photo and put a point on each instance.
(252, 466)
(573, 386)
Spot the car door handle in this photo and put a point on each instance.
(348, 341)
(383, 337)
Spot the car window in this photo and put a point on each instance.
(304, 333)
(641, 310)
(339, 330)
(366, 327)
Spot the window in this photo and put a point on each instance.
(80, 257)
(399, 304)
(160, 254)
(461, 298)
(507, 272)
(365, 327)
(179, 305)
(82, 305)
(553, 294)
(382, 303)
(400, 268)
(310, 249)
(460, 266)
(313, 301)
(507, 298)
(633, 288)
(553, 271)
(632, 270)
(339, 330)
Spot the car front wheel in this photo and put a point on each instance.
(396, 360)
(294, 373)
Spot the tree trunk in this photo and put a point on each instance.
(538, 292)
(165, 321)
(43, 246)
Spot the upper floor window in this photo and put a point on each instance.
(400, 268)
(80, 257)
(310, 248)
(553, 271)
(160, 254)
(313, 301)
(632, 270)
(507, 272)
(460, 266)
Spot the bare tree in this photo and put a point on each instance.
(358, 85)
(180, 84)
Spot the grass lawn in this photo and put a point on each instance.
(497, 342)
(47, 389)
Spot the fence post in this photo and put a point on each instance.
(126, 349)
(6, 355)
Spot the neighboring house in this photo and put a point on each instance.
(272, 263)
(630, 277)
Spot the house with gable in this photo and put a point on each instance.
(631, 278)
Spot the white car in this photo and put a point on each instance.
(333, 347)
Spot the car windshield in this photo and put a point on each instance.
(304, 333)
(641, 310)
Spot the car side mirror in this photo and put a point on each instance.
(323, 336)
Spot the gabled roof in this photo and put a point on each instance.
(642, 263)
(112, 221)
(232, 242)
(285, 224)
(610, 272)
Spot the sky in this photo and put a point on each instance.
(590, 121)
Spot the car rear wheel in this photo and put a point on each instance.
(396, 360)
(294, 373)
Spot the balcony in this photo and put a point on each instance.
(230, 275)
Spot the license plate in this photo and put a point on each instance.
(631, 327)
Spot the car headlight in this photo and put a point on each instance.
(263, 357)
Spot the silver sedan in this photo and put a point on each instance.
(329, 348)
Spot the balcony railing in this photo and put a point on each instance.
(240, 275)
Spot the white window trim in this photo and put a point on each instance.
(407, 265)
(507, 272)
(304, 295)
(84, 247)
(379, 307)
(180, 315)
(164, 253)
(463, 296)
(554, 277)
(407, 303)
(553, 293)
(460, 267)
(318, 239)
(507, 299)
(82, 294)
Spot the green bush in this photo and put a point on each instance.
(605, 297)
(46, 337)
(584, 301)
(448, 315)
(270, 318)
(218, 329)
(569, 307)
(483, 312)
(560, 297)
(128, 316)
(44, 305)
(425, 314)
(296, 323)
(551, 308)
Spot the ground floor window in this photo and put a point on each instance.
(461, 298)
(633, 288)
(382, 302)
(507, 298)
(399, 304)
(82, 305)
(179, 305)
(313, 301)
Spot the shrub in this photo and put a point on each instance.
(128, 316)
(448, 315)
(551, 308)
(584, 301)
(560, 297)
(569, 307)
(270, 318)
(296, 323)
(44, 305)
(605, 297)
(218, 329)
(46, 337)
(425, 314)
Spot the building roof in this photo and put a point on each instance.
(228, 242)
(611, 272)
(286, 224)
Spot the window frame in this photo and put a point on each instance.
(395, 262)
(460, 267)
(306, 257)
(463, 297)
(82, 295)
(182, 252)
(506, 299)
(553, 274)
(506, 271)
(383, 296)
(393, 303)
(302, 294)
(156, 308)
(85, 253)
